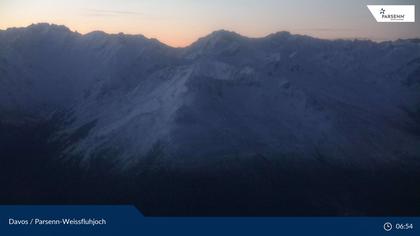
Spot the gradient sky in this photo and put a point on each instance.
(180, 22)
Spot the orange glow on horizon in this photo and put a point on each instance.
(178, 23)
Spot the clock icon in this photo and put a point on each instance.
(387, 226)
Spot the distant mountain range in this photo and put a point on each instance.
(355, 101)
(285, 124)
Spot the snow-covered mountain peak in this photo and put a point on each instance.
(43, 30)
(218, 38)
(224, 95)
(48, 27)
(280, 34)
(223, 35)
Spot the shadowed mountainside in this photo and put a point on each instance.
(280, 125)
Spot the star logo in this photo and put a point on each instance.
(382, 11)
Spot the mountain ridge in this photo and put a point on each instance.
(281, 125)
(224, 95)
(215, 33)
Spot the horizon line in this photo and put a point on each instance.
(207, 35)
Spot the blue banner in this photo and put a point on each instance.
(127, 220)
